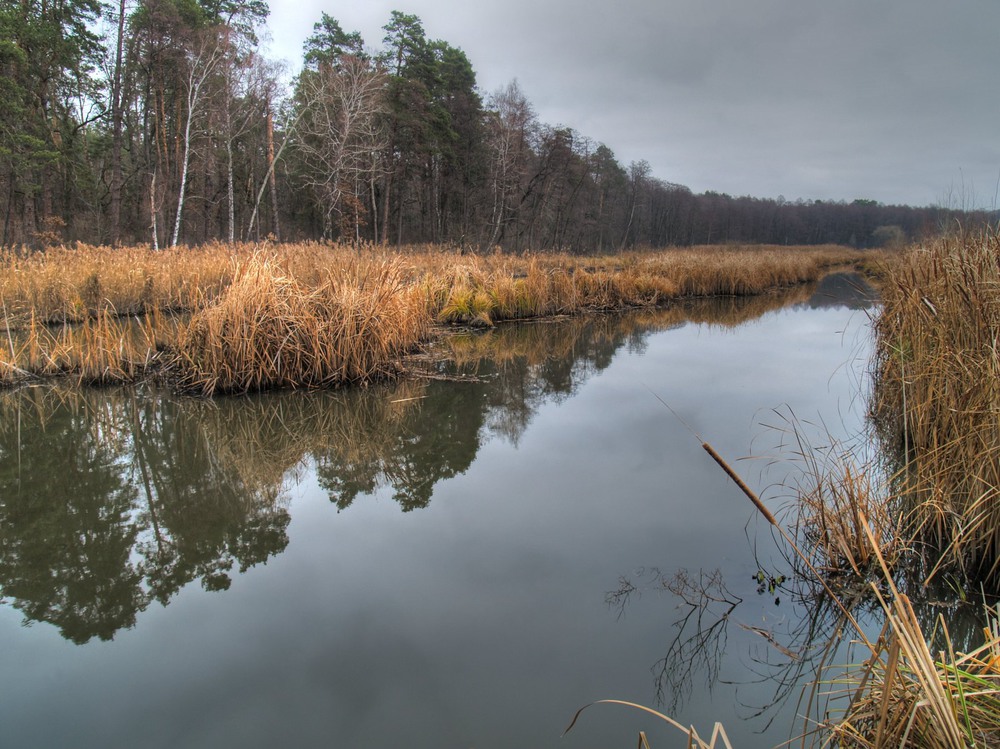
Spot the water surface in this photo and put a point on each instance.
(423, 565)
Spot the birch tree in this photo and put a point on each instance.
(511, 125)
(204, 60)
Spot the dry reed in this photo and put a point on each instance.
(904, 694)
(937, 387)
(319, 314)
(269, 330)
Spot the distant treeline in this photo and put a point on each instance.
(159, 122)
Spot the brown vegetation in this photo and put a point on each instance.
(931, 502)
(937, 395)
(316, 315)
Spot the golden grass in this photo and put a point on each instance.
(902, 693)
(937, 394)
(70, 285)
(484, 290)
(270, 330)
(318, 315)
(905, 694)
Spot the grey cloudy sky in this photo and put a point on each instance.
(895, 100)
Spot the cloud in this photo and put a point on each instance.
(807, 98)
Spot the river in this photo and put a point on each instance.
(459, 560)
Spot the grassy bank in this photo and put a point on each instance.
(916, 518)
(923, 510)
(313, 315)
(937, 398)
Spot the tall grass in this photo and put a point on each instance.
(270, 330)
(316, 315)
(69, 285)
(905, 691)
(484, 290)
(937, 395)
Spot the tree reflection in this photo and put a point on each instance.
(503, 377)
(109, 501)
(66, 530)
(798, 653)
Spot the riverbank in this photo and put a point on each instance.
(896, 537)
(255, 317)
(921, 512)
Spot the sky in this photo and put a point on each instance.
(889, 100)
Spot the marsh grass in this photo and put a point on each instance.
(103, 349)
(906, 693)
(839, 496)
(937, 396)
(485, 290)
(270, 330)
(909, 687)
(64, 284)
(320, 315)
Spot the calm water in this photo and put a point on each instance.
(427, 565)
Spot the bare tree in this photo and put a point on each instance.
(339, 132)
(511, 126)
(249, 89)
(638, 176)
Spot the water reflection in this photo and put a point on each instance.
(113, 499)
(848, 290)
(110, 501)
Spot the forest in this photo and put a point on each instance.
(160, 122)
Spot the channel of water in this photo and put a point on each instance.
(454, 561)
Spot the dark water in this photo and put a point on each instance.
(426, 565)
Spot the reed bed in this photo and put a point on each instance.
(72, 284)
(101, 350)
(937, 396)
(909, 685)
(484, 290)
(912, 688)
(839, 503)
(907, 695)
(539, 342)
(320, 315)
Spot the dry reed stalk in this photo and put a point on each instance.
(904, 695)
(694, 740)
(804, 556)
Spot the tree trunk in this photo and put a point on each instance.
(152, 211)
(276, 228)
(230, 195)
(116, 135)
(184, 174)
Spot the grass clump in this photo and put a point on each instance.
(269, 330)
(907, 695)
(910, 687)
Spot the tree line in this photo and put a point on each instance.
(160, 122)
